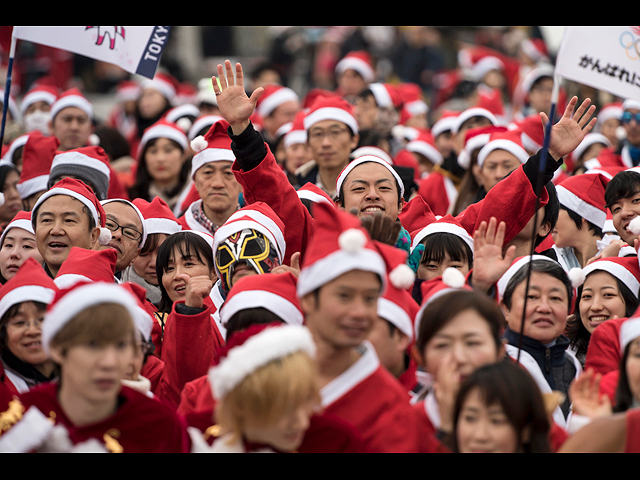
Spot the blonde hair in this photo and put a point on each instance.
(269, 393)
(102, 324)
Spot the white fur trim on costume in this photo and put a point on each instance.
(264, 347)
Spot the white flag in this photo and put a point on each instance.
(606, 58)
(134, 49)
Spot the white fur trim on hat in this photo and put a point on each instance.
(577, 276)
(72, 101)
(629, 331)
(23, 223)
(81, 198)
(143, 238)
(574, 203)
(26, 293)
(209, 155)
(81, 160)
(502, 144)
(634, 226)
(368, 159)
(618, 271)
(33, 185)
(276, 304)
(396, 315)
(470, 113)
(164, 131)
(453, 277)
(358, 65)
(276, 99)
(515, 267)
(259, 350)
(331, 113)
(352, 240)
(442, 227)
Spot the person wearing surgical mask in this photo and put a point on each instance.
(36, 107)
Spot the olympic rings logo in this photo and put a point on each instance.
(631, 43)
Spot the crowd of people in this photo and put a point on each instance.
(361, 270)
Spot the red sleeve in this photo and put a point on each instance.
(190, 345)
(512, 201)
(603, 353)
(269, 184)
(432, 191)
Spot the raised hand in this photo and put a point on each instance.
(489, 263)
(234, 104)
(569, 132)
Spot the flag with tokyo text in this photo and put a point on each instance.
(136, 50)
(606, 58)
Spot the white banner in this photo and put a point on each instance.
(134, 49)
(606, 58)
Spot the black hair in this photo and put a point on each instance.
(437, 244)
(623, 185)
(624, 399)
(140, 188)
(551, 212)
(554, 269)
(509, 385)
(444, 308)
(577, 219)
(187, 244)
(250, 316)
(577, 332)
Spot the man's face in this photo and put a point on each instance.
(371, 188)
(72, 127)
(331, 144)
(351, 83)
(632, 126)
(61, 223)
(217, 186)
(285, 113)
(496, 166)
(344, 311)
(366, 112)
(623, 211)
(125, 240)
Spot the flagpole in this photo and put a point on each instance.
(7, 87)
(555, 94)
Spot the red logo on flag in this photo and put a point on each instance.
(111, 32)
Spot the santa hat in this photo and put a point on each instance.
(81, 192)
(37, 156)
(14, 146)
(386, 95)
(127, 91)
(445, 123)
(89, 163)
(183, 116)
(143, 319)
(331, 108)
(368, 159)
(470, 113)
(515, 267)
(13, 108)
(631, 104)
(143, 237)
(629, 331)
(625, 269)
(371, 150)
(158, 217)
(412, 102)
(584, 195)
(275, 292)
(541, 71)
(310, 191)
(214, 146)
(30, 284)
(297, 133)
(21, 220)
(607, 112)
(339, 245)
(451, 280)
(260, 217)
(531, 132)
(202, 125)
(589, 140)
(486, 65)
(69, 302)
(425, 145)
(274, 96)
(509, 141)
(83, 265)
(162, 83)
(446, 224)
(535, 49)
(252, 348)
(39, 93)
(474, 139)
(416, 214)
(163, 129)
(72, 98)
(359, 61)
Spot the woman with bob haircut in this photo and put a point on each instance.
(499, 409)
(90, 333)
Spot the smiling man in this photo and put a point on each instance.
(128, 232)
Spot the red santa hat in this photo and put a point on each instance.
(162, 83)
(485, 65)
(90, 163)
(310, 191)
(37, 156)
(12, 108)
(531, 132)
(535, 49)
(30, 283)
(274, 96)
(275, 292)
(214, 146)
(474, 139)
(509, 141)
(416, 214)
(386, 95)
(412, 102)
(257, 216)
(607, 112)
(183, 115)
(584, 195)
(297, 133)
(515, 267)
(83, 265)
(127, 91)
(163, 129)
(143, 319)
(21, 220)
(331, 108)
(7, 157)
(202, 123)
(372, 150)
(425, 145)
(541, 71)
(158, 217)
(446, 224)
(625, 269)
(470, 113)
(39, 93)
(254, 347)
(72, 98)
(445, 123)
(359, 61)
(145, 233)
(368, 159)
(339, 245)
(69, 302)
(589, 140)
(629, 331)
(81, 192)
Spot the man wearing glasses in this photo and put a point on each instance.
(128, 234)
(631, 123)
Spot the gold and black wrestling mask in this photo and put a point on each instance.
(248, 250)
